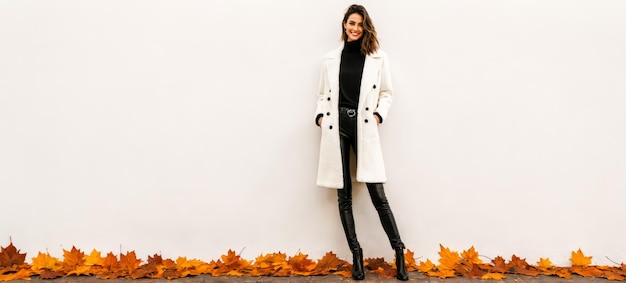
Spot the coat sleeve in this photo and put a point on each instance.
(386, 90)
(319, 112)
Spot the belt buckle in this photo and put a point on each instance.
(351, 113)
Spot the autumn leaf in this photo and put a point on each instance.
(47, 274)
(494, 276)
(380, 267)
(499, 265)
(425, 266)
(520, 266)
(93, 258)
(587, 271)
(373, 263)
(613, 276)
(443, 274)
(232, 264)
(11, 256)
(327, 264)
(409, 261)
(45, 262)
(128, 262)
(269, 264)
(471, 256)
(563, 273)
(23, 274)
(72, 260)
(301, 265)
(449, 259)
(110, 262)
(544, 263)
(578, 258)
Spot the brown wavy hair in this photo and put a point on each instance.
(370, 43)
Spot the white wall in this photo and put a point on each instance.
(186, 127)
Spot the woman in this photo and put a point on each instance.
(354, 97)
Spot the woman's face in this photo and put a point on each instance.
(354, 26)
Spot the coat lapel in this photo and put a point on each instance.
(332, 68)
(371, 68)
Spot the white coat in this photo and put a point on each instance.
(375, 97)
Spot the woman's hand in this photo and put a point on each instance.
(377, 119)
(319, 121)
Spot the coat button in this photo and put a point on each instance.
(330, 127)
(366, 121)
(327, 113)
(367, 109)
(328, 99)
(374, 86)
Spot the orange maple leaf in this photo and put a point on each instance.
(578, 258)
(20, 274)
(329, 263)
(266, 265)
(449, 259)
(128, 262)
(563, 273)
(72, 260)
(587, 271)
(499, 265)
(11, 256)
(471, 256)
(425, 266)
(544, 263)
(443, 274)
(409, 261)
(495, 276)
(45, 262)
(110, 262)
(232, 264)
(610, 275)
(301, 265)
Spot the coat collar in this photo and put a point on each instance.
(336, 53)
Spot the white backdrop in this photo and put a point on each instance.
(186, 127)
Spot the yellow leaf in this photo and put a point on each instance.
(22, 274)
(578, 258)
(94, 258)
(471, 256)
(45, 262)
(425, 266)
(495, 276)
(449, 259)
(544, 263)
(443, 274)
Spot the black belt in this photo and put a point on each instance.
(348, 111)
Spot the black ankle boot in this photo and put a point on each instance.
(400, 265)
(357, 264)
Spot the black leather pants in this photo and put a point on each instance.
(348, 140)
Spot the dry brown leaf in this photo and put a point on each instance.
(11, 256)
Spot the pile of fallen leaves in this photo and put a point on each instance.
(13, 266)
(468, 264)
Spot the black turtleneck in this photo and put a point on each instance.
(350, 73)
